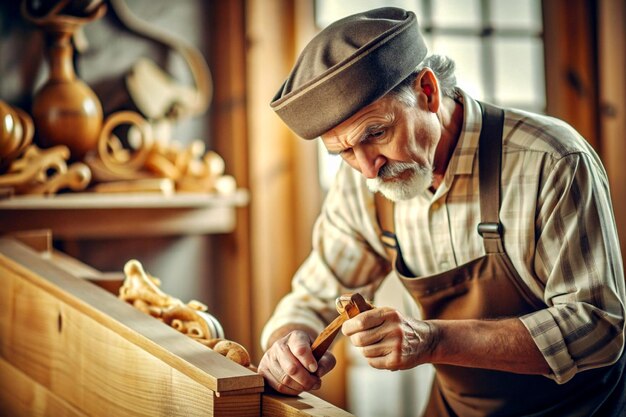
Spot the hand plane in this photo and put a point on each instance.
(348, 306)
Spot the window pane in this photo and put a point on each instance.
(518, 14)
(456, 13)
(519, 76)
(327, 11)
(466, 53)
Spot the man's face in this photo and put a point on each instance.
(391, 144)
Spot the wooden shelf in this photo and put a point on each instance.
(94, 216)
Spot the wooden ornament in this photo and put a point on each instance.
(65, 110)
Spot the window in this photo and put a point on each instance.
(497, 46)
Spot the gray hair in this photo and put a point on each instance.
(442, 66)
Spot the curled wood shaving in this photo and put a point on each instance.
(142, 291)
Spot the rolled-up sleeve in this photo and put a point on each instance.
(578, 261)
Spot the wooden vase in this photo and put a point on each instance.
(65, 110)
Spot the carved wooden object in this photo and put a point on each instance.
(66, 111)
(191, 319)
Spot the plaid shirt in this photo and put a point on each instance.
(559, 232)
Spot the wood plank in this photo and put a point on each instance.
(113, 318)
(60, 356)
(304, 405)
(38, 240)
(240, 405)
(74, 266)
(21, 396)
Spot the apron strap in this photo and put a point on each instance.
(489, 167)
(385, 217)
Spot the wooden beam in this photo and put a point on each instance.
(270, 31)
(285, 188)
(570, 61)
(303, 405)
(50, 326)
(230, 260)
(286, 195)
(612, 54)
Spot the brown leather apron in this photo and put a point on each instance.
(488, 288)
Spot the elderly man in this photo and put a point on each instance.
(497, 221)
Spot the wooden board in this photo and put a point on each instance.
(21, 396)
(303, 405)
(69, 348)
(102, 356)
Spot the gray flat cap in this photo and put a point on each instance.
(347, 66)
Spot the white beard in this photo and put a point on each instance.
(419, 180)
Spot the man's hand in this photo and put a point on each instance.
(388, 340)
(289, 367)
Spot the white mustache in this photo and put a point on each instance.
(420, 178)
(393, 169)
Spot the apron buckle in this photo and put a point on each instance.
(488, 227)
(389, 240)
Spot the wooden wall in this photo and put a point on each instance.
(612, 103)
(585, 54)
(570, 61)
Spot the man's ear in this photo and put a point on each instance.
(426, 88)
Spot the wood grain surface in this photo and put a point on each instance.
(69, 348)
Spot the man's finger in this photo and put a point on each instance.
(293, 372)
(326, 364)
(300, 346)
(364, 321)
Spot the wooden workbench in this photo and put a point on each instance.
(70, 348)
